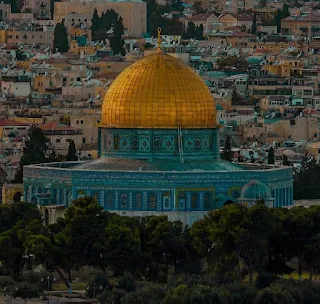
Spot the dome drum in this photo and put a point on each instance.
(160, 143)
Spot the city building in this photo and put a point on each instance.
(133, 13)
(159, 152)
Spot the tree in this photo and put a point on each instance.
(34, 152)
(214, 238)
(235, 98)
(60, 40)
(193, 31)
(19, 222)
(285, 11)
(52, 2)
(197, 6)
(116, 41)
(278, 20)
(252, 238)
(72, 152)
(271, 156)
(227, 153)
(254, 24)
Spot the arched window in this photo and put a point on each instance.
(166, 200)
(123, 201)
(138, 201)
(152, 201)
(39, 190)
(68, 197)
(109, 200)
(182, 201)
(194, 200)
(207, 201)
(55, 196)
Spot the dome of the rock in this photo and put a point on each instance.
(158, 91)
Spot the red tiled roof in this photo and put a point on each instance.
(242, 34)
(313, 16)
(9, 122)
(233, 28)
(246, 18)
(199, 17)
(309, 111)
(56, 126)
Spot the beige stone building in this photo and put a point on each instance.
(60, 135)
(40, 8)
(31, 35)
(134, 13)
(87, 122)
(299, 128)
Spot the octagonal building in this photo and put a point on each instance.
(158, 152)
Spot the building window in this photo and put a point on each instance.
(182, 201)
(166, 200)
(152, 201)
(109, 200)
(77, 122)
(138, 201)
(116, 142)
(83, 140)
(81, 122)
(207, 201)
(194, 201)
(123, 202)
(57, 140)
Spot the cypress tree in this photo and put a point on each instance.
(271, 156)
(60, 40)
(116, 41)
(254, 24)
(72, 153)
(227, 153)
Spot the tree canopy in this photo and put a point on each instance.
(60, 40)
(177, 264)
(72, 152)
(36, 151)
(109, 26)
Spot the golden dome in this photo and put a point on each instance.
(158, 91)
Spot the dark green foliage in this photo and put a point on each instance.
(20, 224)
(281, 14)
(72, 152)
(228, 63)
(271, 156)
(109, 21)
(232, 243)
(235, 98)
(98, 282)
(254, 24)
(193, 31)
(25, 291)
(116, 41)
(127, 282)
(60, 40)
(264, 279)
(227, 154)
(34, 152)
(156, 19)
(306, 182)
